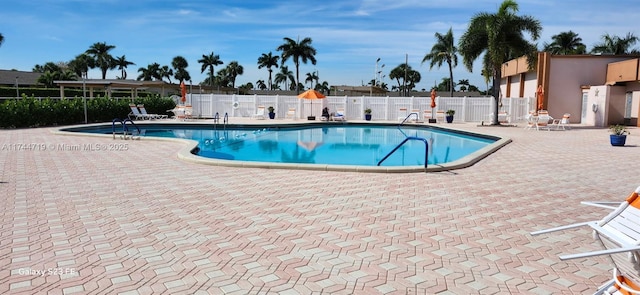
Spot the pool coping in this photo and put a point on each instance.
(186, 153)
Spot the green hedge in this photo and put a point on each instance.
(32, 112)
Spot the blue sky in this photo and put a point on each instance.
(349, 36)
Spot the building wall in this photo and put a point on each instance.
(567, 74)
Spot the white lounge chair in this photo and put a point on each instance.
(440, 116)
(135, 114)
(619, 233)
(562, 123)
(543, 120)
(259, 113)
(143, 111)
(402, 114)
(503, 118)
(291, 114)
(339, 115)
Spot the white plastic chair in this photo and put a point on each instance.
(619, 233)
(339, 115)
(562, 123)
(259, 113)
(291, 114)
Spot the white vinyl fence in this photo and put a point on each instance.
(468, 109)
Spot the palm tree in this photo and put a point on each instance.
(233, 71)
(444, 50)
(298, 51)
(180, 65)
(151, 72)
(616, 45)
(284, 76)
(463, 83)
(500, 37)
(102, 59)
(566, 43)
(260, 84)
(122, 63)
(268, 61)
(210, 61)
(1, 39)
(310, 78)
(165, 72)
(81, 64)
(405, 71)
(47, 79)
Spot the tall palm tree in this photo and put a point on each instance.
(616, 45)
(1, 39)
(566, 43)
(122, 63)
(102, 59)
(234, 69)
(444, 50)
(284, 76)
(298, 51)
(210, 61)
(268, 61)
(180, 65)
(500, 37)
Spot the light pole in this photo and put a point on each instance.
(375, 74)
(17, 91)
(84, 96)
(380, 75)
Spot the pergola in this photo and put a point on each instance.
(111, 85)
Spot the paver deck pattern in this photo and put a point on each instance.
(141, 221)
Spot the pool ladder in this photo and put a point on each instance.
(216, 120)
(408, 138)
(125, 130)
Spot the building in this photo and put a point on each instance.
(13, 78)
(597, 90)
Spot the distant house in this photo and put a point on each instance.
(597, 90)
(9, 78)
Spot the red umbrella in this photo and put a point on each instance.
(183, 90)
(540, 96)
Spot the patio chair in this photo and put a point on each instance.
(619, 233)
(402, 114)
(440, 116)
(339, 115)
(291, 114)
(562, 123)
(143, 111)
(503, 118)
(135, 114)
(178, 112)
(188, 112)
(259, 113)
(543, 120)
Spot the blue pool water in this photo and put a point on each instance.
(362, 145)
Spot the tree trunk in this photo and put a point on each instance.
(496, 94)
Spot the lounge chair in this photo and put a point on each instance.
(339, 115)
(503, 118)
(440, 116)
(291, 114)
(619, 233)
(543, 120)
(188, 112)
(259, 113)
(143, 111)
(135, 114)
(402, 114)
(562, 123)
(178, 112)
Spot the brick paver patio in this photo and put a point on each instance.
(141, 221)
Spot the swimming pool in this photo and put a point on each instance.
(351, 146)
